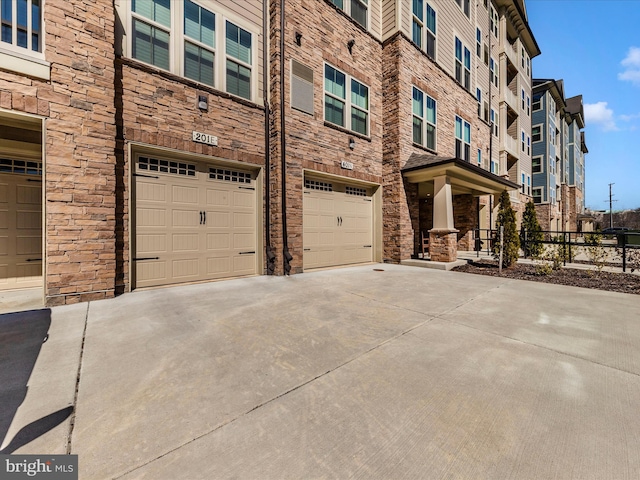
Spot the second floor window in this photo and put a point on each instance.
(194, 42)
(346, 101)
(536, 133)
(463, 139)
(495, 123)
(494, 73)
(424, 119)
(465, 6)
(463, 64)
(21, 24)
(424, 27)
(536, 165)
(152, 31)
(356, 9)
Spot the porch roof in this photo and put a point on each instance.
(465, 178)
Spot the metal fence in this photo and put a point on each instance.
(614, 250)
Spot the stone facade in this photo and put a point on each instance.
(311, 143)
(443, 245)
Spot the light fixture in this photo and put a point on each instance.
(298, 38)
(352, 143)
(203, 102)
(350, 45)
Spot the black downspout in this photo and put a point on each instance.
(271, 256)
(287, 257)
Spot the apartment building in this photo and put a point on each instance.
(156, 142)
(558, 156)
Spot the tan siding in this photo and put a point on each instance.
(376, 16)
(388, 18)
(405, 19)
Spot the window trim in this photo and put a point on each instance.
(348, 105)
(464, 71)
(465, 4)
(540, 126)
(540, 190)
(425, 30)
(346, 8)
(465, 148)
(24, 53)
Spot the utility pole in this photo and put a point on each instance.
(611, 200)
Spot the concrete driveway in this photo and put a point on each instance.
(345, 373)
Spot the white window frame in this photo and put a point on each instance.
(528, 145)
(540, 126)
(425, 31)
(528, 106)
(478, 42)
(480, 157)
(533, 194)
(539, 105)
(493, 69)
(177, 40)
(541, 164)
(494, 22)
(495, 123)
(347, 101)
(465, 5)
(27, 51)
(479, 100)
(425, 122)
(523, 137)
(465, 73)
(495, 167)
(346, 8)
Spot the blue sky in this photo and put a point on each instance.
(594, 46)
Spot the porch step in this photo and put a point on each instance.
(430, 264)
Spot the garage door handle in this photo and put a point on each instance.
(367, 246)
(246, 253)
(34, 259)
(205, 218)
(145, 258)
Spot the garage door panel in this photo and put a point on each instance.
(185, 242)
(150, 192)
(185, 218)
(29, 245)
(28, 195)
(151, 243)
(186, 268)
(217, 197)
(151, 217)
(28, 219)
(218, 241)
(243, 220)
(4, 246)
(184, 195)
(206, 223)
(4, 193)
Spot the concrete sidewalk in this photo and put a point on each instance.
(345, 373)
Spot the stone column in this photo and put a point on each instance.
(443, 239)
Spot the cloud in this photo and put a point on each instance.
(632, 67)
(598, 113)
(629, 118)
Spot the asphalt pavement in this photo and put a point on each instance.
(376, 372)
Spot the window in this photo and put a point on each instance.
(528, 184)
(238, 61)
(552, 135)
(465, 6)
(346, 101)
(494, 167)
(486, 55)
(199, 44)
(537, 103)
(493, 15)
(479, 157)
(301, 87)
(494, 73)
(463, 75)
(21, 25)
(478, 42)
(424, 119)
(523, 100)
(356, 9)
(424, 27)
(479, 98)
(522, 140)
(463, 139)
(537, 195)
(495, 124)
(192, 41)
(151, 31)
(528, 106)
(523, 182)
(528, 145)
(536, 133)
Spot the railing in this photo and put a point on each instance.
(511, 51)
(593, 248)
(511, 145)
(511, 99)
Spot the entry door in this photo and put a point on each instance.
(194, 222)
(338, 224)
(20, 224)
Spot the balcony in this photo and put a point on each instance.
(511, 146)
(511, 99)
(511, 50)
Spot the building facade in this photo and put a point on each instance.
(558, 156)
(156, 142)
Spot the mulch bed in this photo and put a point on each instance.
(613, 282)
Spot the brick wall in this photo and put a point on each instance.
(405, 66)
(311, 143)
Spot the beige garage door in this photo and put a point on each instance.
(20, 224)
(338, 224)
(193, 222)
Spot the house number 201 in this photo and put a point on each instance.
(205, 138)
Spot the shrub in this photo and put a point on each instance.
(507, 219)
(531, 232)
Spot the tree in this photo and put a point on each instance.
(533, 245)
(507, 219)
